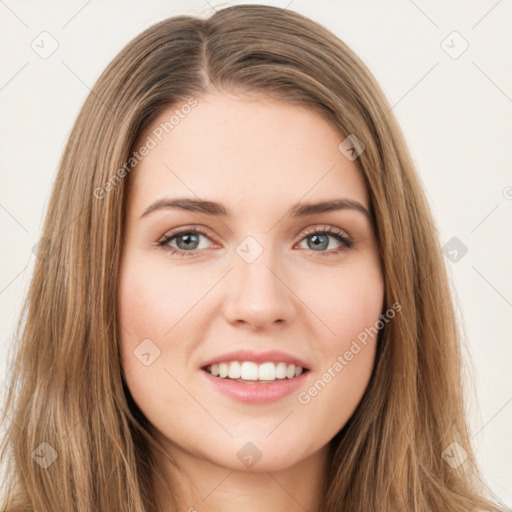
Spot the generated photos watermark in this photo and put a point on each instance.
(150, 143)
(357, 345)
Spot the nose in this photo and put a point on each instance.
(257, 294)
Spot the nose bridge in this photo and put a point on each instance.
(257, 293)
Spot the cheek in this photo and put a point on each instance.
(350, 307)
(153, 300)
(347, 303)
(147, 310)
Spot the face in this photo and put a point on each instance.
(240, 319)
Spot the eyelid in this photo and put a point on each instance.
(325, 228)
(184, 229)
(200, 229)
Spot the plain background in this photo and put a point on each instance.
(455, 111)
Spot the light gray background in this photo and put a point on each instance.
(455, 112)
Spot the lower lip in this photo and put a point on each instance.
(255, 392)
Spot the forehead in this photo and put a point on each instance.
(244, 150)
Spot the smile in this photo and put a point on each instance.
(249, 371)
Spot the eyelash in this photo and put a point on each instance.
(336, 233)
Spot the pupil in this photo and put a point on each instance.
(320, 244)
(187, 238)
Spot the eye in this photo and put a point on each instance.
(188, 240)
(317, 239)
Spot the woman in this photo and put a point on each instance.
(240, 299)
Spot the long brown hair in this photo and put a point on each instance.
(76, 440)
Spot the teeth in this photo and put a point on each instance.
(281, 371)
(223, 370)
(234, 370)
(267, 371)
(247, 370)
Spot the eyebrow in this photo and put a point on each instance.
(298, 210)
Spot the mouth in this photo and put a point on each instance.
(251, 372)
(256, 378)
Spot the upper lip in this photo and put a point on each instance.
(271, 356)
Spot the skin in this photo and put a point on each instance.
(258, 157)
